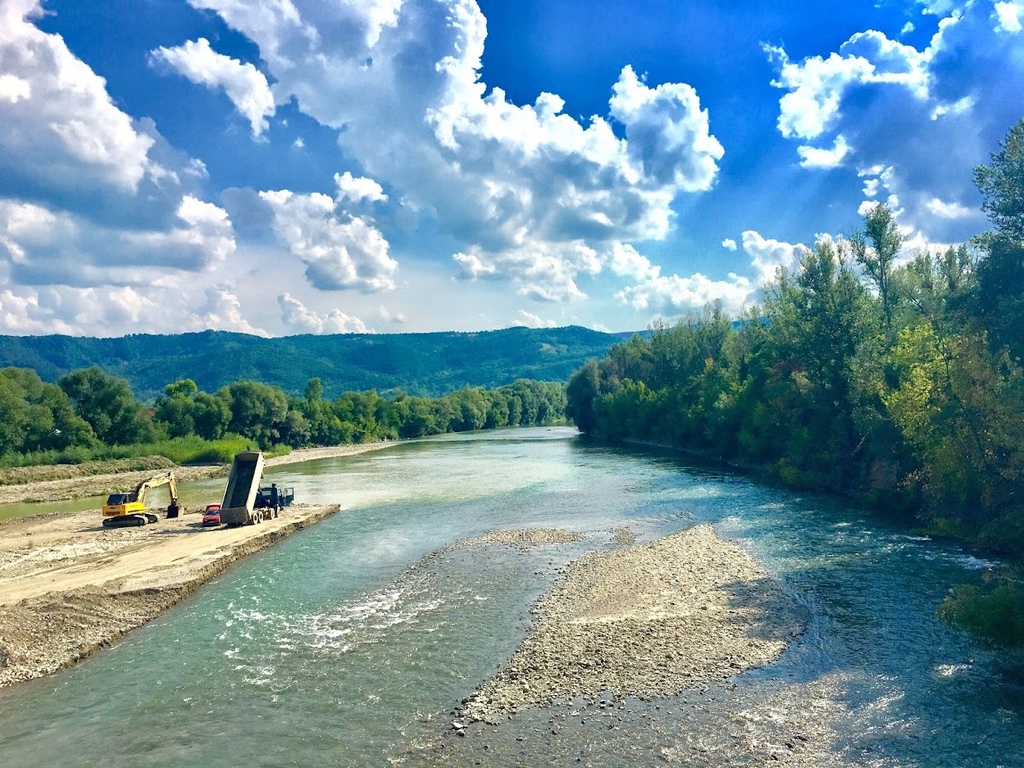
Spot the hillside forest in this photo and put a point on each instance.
(899, 383)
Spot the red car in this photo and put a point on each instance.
(211, 516)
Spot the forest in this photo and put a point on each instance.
(896, 382)
(91, 415)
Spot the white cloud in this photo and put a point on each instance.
(1008, 16)
(397, 318)
(530, 320)
(767, 256)
(244, 85)
(729, 244)
(222, 311)
(60, 130)
(940, 7)
(948, 210)
(813, 157)
(339, 250)
(671, 296)
(817, 85)
(521, 189)
(356, 189)
(45, 247)
(299, 318)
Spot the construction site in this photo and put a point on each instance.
(71, 583)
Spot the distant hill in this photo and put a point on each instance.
(424, 364)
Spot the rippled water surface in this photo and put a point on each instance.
(351, 643)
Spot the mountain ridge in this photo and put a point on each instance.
(426, 364)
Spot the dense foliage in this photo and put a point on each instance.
(90, 414)
(900, 383)
(424, 364)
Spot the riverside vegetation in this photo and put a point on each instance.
(89, 415)
(898, 383)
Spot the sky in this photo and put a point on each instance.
(280, 167)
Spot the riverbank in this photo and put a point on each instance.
(69, 586)
(76, 486)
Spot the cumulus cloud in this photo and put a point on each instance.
(948, 210)
(882, 103)
(817, 85)
(671, 296)
(95, 206)
(244, 85)
(44, 247)
(814, 157)
(1008, 16)
(299, 318)
(339, 250)
(768, 256)
(522, 189)
(530, 320)
(356, 189)
(104, 311)
(221, 310)
(60, 130)
(729, 244)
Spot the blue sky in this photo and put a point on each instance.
(299, 166)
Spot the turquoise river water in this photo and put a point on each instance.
(352, 643)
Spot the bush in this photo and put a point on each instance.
(994, 611)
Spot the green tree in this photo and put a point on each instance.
(107, 404)
(582, 392)
(258, 411)
(875, 248)
(1000, 271)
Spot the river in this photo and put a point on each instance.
(353, 642)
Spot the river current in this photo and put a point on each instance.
(353, 642)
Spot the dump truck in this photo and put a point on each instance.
(129, 507)
(239, 505)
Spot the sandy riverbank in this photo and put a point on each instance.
(69, 586)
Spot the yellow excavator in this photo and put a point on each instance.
(129, 507)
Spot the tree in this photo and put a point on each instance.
(581, 393)
(258, 411)
(875, 248)
(1000, 272)
(107, 404)
(1002, 185)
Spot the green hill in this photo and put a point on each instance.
(424, 364)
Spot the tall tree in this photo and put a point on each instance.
(1000, 273)
(875, 248)
(108, 405)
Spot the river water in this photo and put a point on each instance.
(353, 642)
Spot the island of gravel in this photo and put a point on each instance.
(644, 621)
(69, 586)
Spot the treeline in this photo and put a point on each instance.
(90, 414)
(900, 383)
